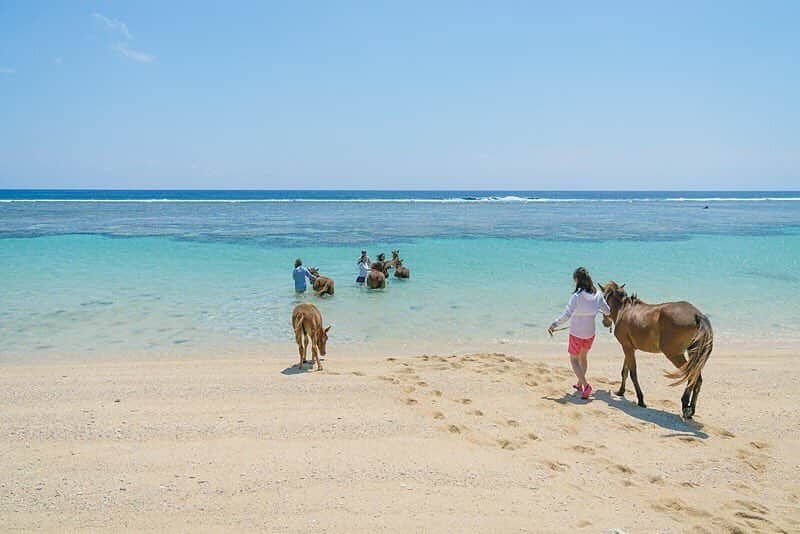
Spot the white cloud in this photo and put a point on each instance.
(135, 55)
(113, 24)
(4, 70)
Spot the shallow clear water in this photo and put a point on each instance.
(108, 278)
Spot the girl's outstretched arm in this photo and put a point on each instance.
(567, 313)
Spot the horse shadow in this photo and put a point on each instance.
(678, 426)
(295, 370)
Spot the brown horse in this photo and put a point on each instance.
(391, 263)
(400, 271)
(322, 285)
(380, 265)
(673, 328)
(376, 279)
(308, 330)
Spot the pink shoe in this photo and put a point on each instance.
(578, 387)
(587, 391)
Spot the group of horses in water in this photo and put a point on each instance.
(379, 270)
(678, 330)
(375, 279)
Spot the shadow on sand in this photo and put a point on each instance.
(295, 370)
(669, 421)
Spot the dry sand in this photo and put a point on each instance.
(481, 442)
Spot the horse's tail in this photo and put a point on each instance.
(699, 350)
(297, 323)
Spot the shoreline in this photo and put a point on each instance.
(605, 346)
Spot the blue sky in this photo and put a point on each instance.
(522, 95)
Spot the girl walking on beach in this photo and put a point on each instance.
(583, 306)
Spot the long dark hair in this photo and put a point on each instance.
(583, 281)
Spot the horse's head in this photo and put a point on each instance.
(615, 295)
(381, 257)
(314, 271)
(322, 340)
(396, 255)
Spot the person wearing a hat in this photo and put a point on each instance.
(363, 266)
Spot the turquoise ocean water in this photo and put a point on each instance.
(117, 274)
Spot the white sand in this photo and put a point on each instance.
(464, 443)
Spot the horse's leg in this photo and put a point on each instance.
(630, 363)
(315, 355)
(695, 394)
(621, 390)
(679, 360)
(306, 343)
(298, 337)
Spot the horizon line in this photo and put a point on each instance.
(738, 190)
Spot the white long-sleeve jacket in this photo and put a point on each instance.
(581, 311)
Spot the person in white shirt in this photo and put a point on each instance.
(583, 306)
(363, 266)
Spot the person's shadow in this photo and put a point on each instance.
(667, 420)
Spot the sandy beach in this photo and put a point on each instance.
(433, 443)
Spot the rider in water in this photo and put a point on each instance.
(300, 273)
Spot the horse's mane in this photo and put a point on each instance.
(633, 299)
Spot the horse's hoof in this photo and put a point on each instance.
(620, 393)
(641, 404)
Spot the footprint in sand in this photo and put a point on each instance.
(437, 393)
(389, 379)
(623, 469)
(583, 450)
(438, 415)
(422, 384)
(507, 444)
(556, 466)
(657, 480)
(454, 429)
(751, 460)
(512, 423)
(690, 439)
(677, 505)
(477, 412)
(759, 445)
(408, 389)
(533, 437)
(726, 434)
(464, 401)
(357, 373)
(411, 402)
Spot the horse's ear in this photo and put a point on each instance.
(601, 288)
(326, 330)
(622, 286)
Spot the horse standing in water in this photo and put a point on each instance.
(375, 278)
(673, 328)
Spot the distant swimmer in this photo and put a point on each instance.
(300, 273)
(705, 207)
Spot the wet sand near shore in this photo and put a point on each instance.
(431, 443)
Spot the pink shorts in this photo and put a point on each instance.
(577, 344)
